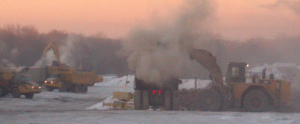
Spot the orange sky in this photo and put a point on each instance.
(234, 19)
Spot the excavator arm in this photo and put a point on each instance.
(208, 61)
(55, 50)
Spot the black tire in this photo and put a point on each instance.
(29, 95)
(63, 88)
(209, 100)
(225, 103)
(49, 88)
(167, 100)
(84, 89)
(1, 92)
(69, 89)
(145, 99)
(16, 93)
(77, 88)
(175, 100)
(137, 100)
(255, 101)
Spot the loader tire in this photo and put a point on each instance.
(255, 101)
(50, 89)
(1, 92)
(16, 93)
(209, 100)
(63, 88)
(29, 95)
(145, 100)
(76, 88)
(168, 100)
(175, 100)
(84, 89)
(137, 100)
(224, 101)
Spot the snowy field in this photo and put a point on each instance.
(146, 117)
(72, 108)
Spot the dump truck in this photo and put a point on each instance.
(163, 96)
(65, 79)
(61, 76)
(98, 79)
(18, 83)
(219, 96)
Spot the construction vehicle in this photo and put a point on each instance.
(54, 47)
(62, 77)
(151, 94)
(219, 96)
(66, 79)
(98, 79)
(18, 83)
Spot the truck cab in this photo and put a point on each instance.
(24, 85)
(18, 83)
(53, 82)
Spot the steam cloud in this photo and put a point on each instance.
(160, 52)
(7, 64)
(65, 52)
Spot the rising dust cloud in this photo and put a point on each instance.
(160, 52)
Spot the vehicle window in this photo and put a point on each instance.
(235, 72)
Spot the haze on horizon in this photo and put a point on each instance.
(233, 19)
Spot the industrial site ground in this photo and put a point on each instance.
(73, 108)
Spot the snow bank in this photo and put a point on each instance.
(190, 84)
(118, 81)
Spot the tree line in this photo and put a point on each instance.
(23, 46)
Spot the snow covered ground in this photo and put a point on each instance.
(72, 108)
(147, 117)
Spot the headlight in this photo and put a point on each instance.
(45, 81)
(40, 87)
(32, 87)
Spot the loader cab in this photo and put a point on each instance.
(236, 72)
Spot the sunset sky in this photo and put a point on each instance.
(234, 19)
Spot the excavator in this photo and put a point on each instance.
(219, 96)
(54, 47)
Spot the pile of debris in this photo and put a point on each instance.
(120, 101)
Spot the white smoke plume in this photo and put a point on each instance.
(65, 52)
(160, 52)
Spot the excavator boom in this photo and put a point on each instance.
(208, 61)
(55, 50)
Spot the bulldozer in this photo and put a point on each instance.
(64, 78)
(18, 83)
(256, 96)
